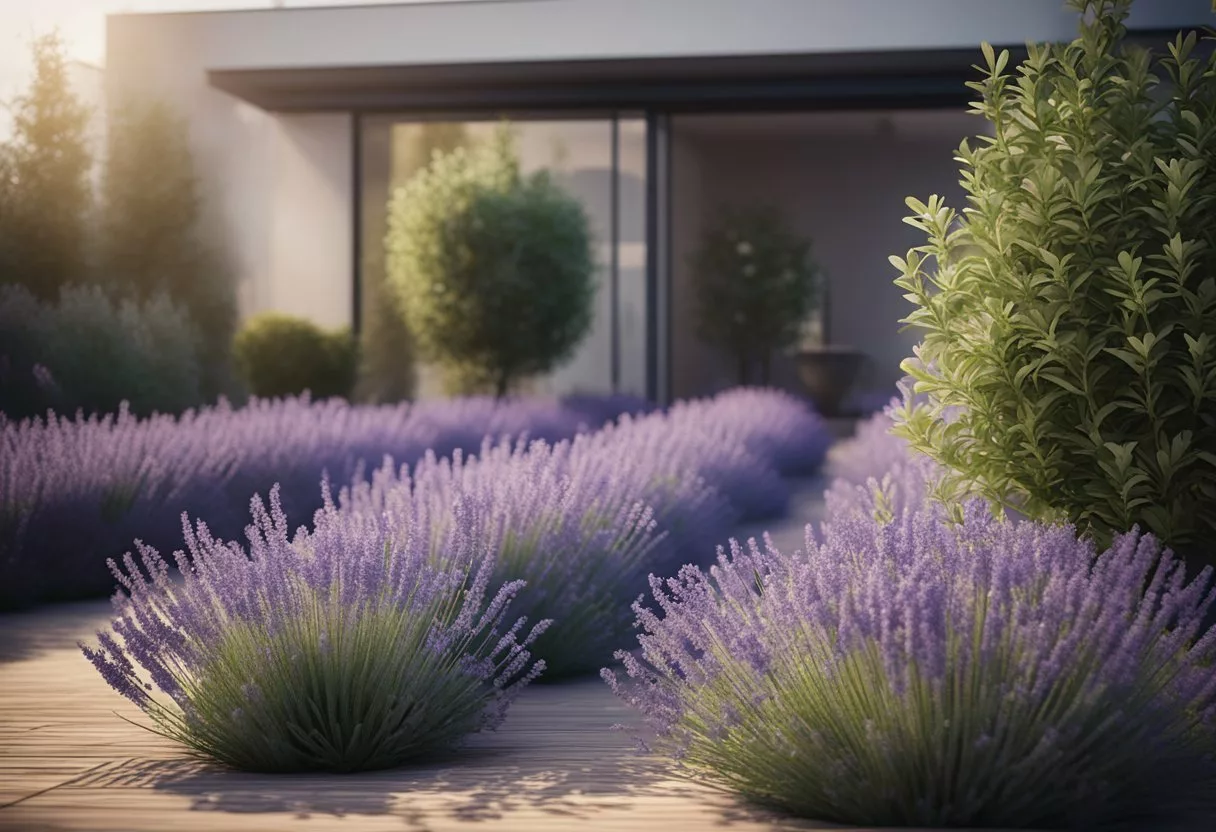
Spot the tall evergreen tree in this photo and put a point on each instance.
(45, 195)
(153, 238)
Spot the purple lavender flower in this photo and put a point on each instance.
(679, 476)
(915, 671)
(74, 491)
(781, 429)
(875, 471)
(686, 443)
(582, 538)
(345, 648)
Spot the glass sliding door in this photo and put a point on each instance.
(600, 161)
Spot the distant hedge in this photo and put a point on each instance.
(280, 355)
(87, 351)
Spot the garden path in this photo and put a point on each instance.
(68, 762)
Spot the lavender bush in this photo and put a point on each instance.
(600, 410)
(926, 673)
(894, 477)
(73, 491)
(781, 429)
(585, 521)
(340, 649)
(647, 458)
(583, 543)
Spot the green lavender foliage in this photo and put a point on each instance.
(280, 355)
(1069, 311)
(494, 269)
(756, 283)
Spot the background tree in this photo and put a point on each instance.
(153, 238)
(1069, 315)
(386, 350)
(494, 270)
(46, 197)
(756, 284)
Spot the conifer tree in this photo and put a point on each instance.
(45, 193)
(153, 238)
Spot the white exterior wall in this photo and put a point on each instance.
(311, 228)
(278, 187)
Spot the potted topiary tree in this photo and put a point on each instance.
(756, 285)
(493, 269)
(1069, 315)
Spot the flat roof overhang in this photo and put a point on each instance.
(679, 84)
(914, 78)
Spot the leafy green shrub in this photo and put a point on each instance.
(493, 269)
(1069, 355)
(279, 355)
(91, 352)
(755, 284)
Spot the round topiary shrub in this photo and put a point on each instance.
(279, 355)
(1069, 313)
(494, 269)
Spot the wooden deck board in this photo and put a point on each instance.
(67, 762)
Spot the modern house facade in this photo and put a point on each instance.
(654, 113)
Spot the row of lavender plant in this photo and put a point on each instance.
(584, 522)
(367, 641)
(74, 491)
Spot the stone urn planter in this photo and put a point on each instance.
(828, 374)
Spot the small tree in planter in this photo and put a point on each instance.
(756, 284)
(1069, 355)
(493, 269)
